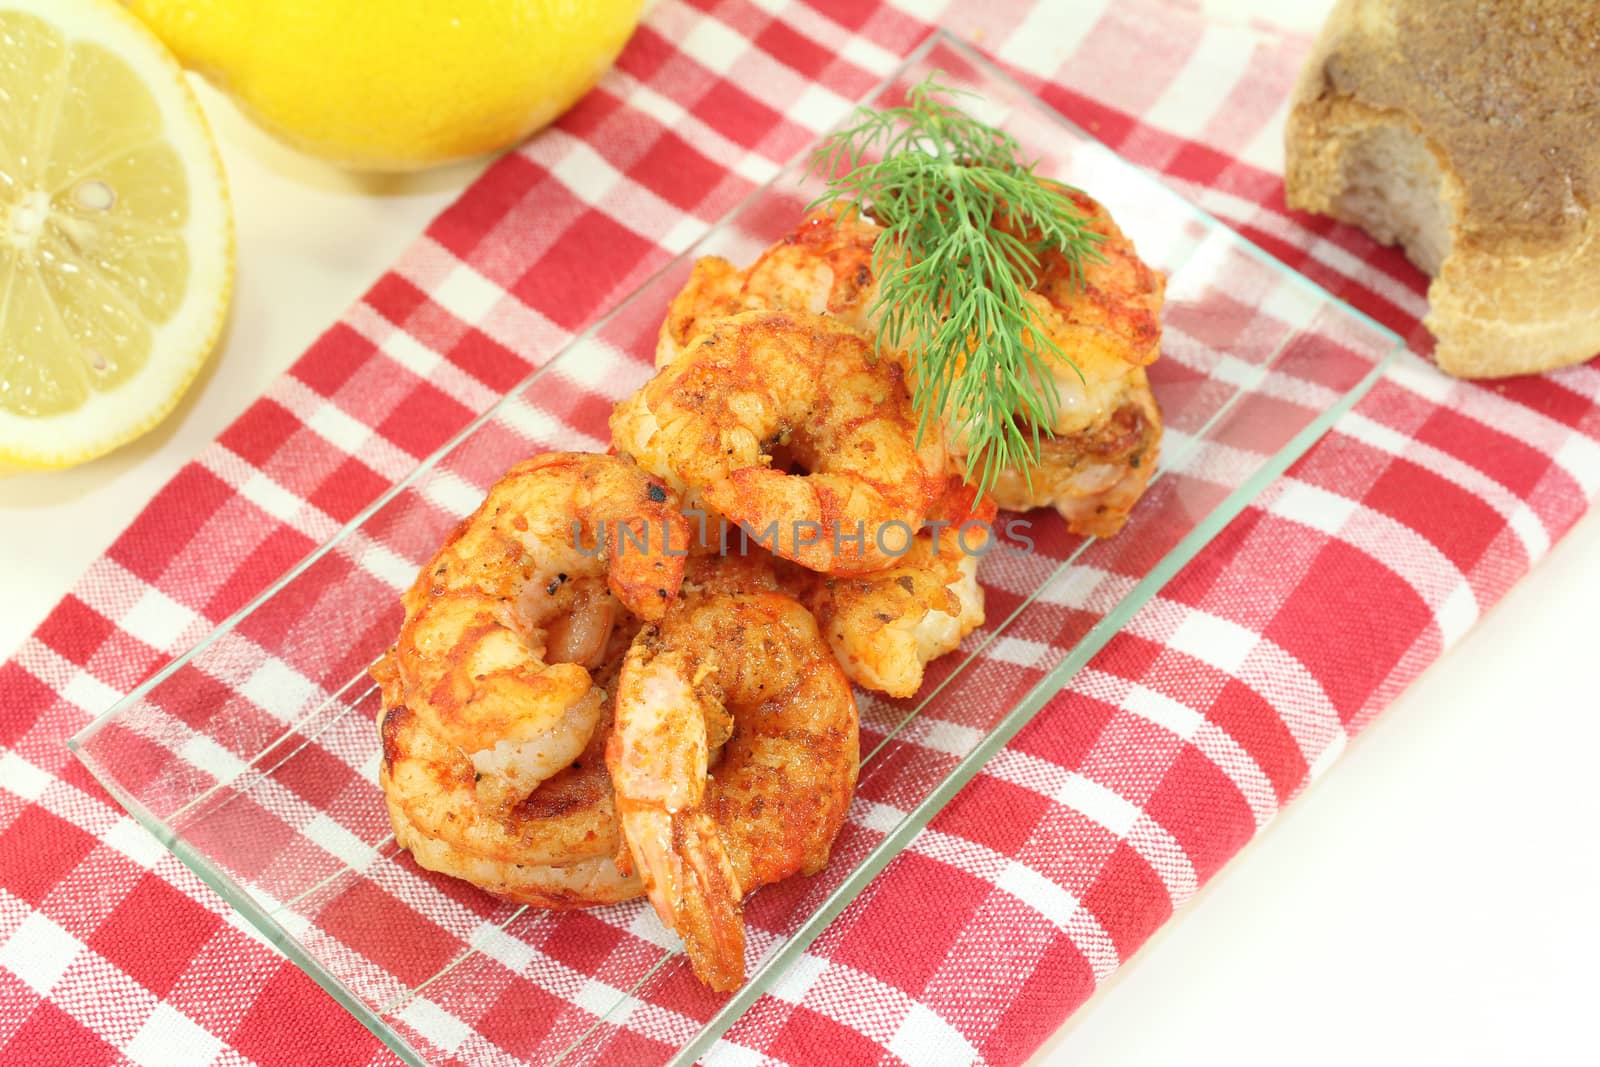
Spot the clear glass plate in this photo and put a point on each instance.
(254, 756)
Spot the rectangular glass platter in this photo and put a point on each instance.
(254, 756)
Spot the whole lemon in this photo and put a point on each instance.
(397, 84)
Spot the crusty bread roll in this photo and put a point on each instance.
(1469, 132)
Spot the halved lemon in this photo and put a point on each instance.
(116, 239)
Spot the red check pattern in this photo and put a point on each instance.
(1216, 705)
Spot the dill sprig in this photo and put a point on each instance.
(966, 223)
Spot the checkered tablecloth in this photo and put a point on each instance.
(1220, 701)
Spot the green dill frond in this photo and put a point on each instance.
(952, 195)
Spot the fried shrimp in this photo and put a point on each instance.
(748, 672)
(556, 847)
(1105, 437)
(887, 626)
(811, 389)
(1107, 326)
(1092, 478)
(715, 290)
(821, 267)
(561, 545)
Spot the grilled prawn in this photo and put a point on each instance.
(761, 383)
(488, 692)
(734, 756)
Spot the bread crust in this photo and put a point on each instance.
(1469, 133)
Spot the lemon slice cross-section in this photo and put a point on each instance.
(116, 240)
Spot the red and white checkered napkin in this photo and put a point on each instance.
(1220, 700)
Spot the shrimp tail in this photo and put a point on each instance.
(708, 913)
(693, 888)
(750, 675)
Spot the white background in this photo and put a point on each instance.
(1431, 900)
